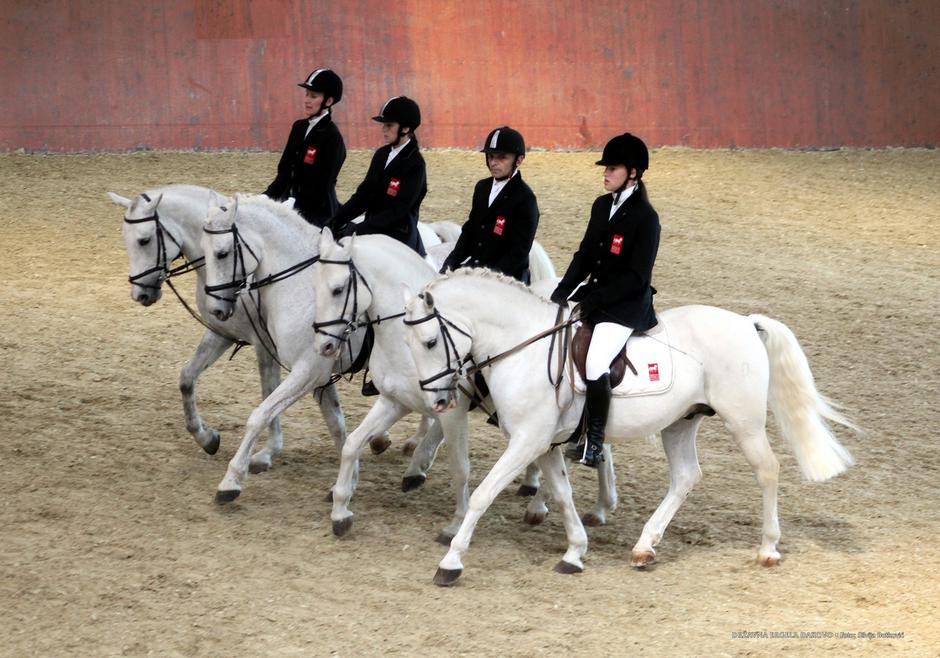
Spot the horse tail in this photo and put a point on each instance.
(540, 265)
(800, 409)
(446, 230)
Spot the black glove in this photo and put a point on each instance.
(445, 267)
(559, 297)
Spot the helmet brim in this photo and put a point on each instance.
(379, 118)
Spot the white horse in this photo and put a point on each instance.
(160, 225)
(261, 242)
(359, 282)
(723, 363)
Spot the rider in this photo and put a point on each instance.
(395, 184)
(314, 154)
(616, 258)
(504, 214)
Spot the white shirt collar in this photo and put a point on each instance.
(396, 150)
(614, 207)
(314, 121)
(498, 186)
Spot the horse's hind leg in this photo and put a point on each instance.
(684, 473)
(270, 372)
(753, 442)
(423, 456)
(408, 447)
(210, 348)
(530, 481)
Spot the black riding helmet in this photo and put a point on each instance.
(628, 150)
(401, 110)
(504, 140)
(326, 82)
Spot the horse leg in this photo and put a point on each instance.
(210, 348)
(530, 481)
(537, 510)
(760, 456)
(606, 491)
(684, 473)
(556, 479)
(457, 433)
(294, 386)
(408, 447)
(522, 450)
(270, 372)
(383, 414)
(423, 456)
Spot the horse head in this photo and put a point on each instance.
(341, 295)
(440, 347)
(230, 260)
(151, 246)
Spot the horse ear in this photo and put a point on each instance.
(216, 200)
(326, 238)
(406, 295)
(157, 200)
(120, 200)
(428, 301)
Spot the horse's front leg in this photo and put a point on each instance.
(606, 491)
(383, 414)
(210, 348)
(556, 478)
(684, 473)
(300, 380)
(270, 371)
(456, 434)
(524, 446)
(408, 447)
(423, 456)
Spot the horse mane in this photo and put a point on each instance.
(278, 209)
(483, 273)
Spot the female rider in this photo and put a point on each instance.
(615, 262)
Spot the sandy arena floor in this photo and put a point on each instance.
(111, 544)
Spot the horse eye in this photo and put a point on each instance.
(431, 343)
(221, 255)
(143, 242)
(336, 292)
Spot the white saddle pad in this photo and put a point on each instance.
(650, 355)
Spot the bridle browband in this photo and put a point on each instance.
(163, 262)
(351, 302)
(455, 363)
(244, 285)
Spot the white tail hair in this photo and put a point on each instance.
(798, 406)
(540, 265)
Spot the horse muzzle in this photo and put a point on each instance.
(223, 313)
(146, 296)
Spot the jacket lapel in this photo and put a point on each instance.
(504, 194)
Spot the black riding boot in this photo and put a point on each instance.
(590, 450)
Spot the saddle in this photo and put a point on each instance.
(579, 350)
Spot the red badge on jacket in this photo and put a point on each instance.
(393, 186)
(616, 244)
(499, 225)
(311, 154)
(654, 371)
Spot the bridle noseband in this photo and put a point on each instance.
(163, 263)
(455, 363)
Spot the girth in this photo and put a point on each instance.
(579, 350)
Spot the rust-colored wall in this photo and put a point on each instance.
(112, 75)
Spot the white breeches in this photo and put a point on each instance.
(608, 339)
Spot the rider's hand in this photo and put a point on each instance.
(559, 297)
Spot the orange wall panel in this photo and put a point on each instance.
(209, 74)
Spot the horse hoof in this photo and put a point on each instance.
(214, 442)
(412, 482)
(379, 444)
(329, 497)
(534, 518)
(592, 520)
(342, 526)
(769, 560)
(444, 539)
(258, 467)
(408, 449)
(226, 496)
(640, 559)
(526, 490)
(447, 577)
(567, 568)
